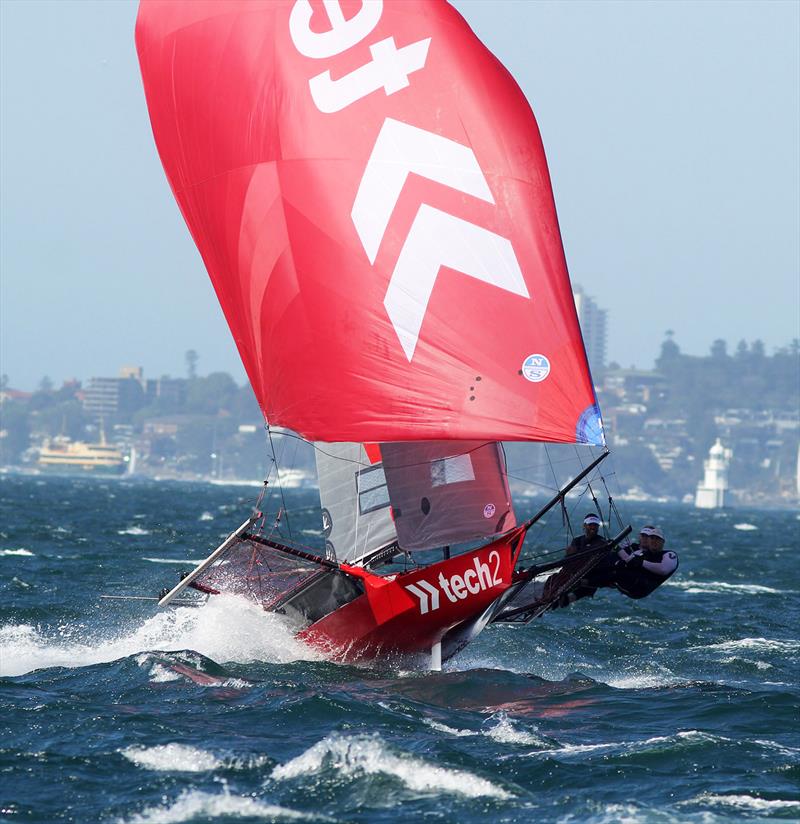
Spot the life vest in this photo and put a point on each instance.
(640, 582)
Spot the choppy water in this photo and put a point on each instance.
(683, 707)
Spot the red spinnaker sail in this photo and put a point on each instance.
(367, 187)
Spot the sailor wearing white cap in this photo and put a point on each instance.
(590, 537)
(642, 569)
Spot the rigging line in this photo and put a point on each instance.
(591, 491)
(530, 482)
(278, 474)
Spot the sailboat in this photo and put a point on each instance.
(368, 189)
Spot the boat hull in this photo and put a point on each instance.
(410, 613)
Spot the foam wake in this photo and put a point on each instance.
(356, 755)
(196, 805)
(226, 629)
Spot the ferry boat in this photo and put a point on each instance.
(65, 456)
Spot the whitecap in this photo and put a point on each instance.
(745, 802)
(192, 561)
(762, 644)
(159, 674)
(781, 748)
(721, 586)
(185, 758)
(686, 737)
(193, 805)
(225, 628)
(640, 680)
(369, 755)
(133, 530)
(745, 527)
(206, 516)
(20, 551)
(439, 727)
(173, 758)
(504, 732)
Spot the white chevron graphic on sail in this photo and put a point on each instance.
(436, 238)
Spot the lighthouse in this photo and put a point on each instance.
(711, 492)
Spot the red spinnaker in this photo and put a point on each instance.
(368, 189)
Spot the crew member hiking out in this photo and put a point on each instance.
(641, 570)
(635, 570)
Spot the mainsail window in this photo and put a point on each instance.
(372, 490)
(452, 470)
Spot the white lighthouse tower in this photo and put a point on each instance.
(711, 492)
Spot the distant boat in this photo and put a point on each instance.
(64, 456)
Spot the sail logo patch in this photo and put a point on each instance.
(489, 510)
(535, 368)
(479, 577)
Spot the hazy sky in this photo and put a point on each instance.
(671, 128)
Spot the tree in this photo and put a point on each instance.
(45, 384)
(191, 364)
(719, 349)
(670, 352)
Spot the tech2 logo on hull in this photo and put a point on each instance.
(457, 587)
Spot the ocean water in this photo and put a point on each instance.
(684, 707)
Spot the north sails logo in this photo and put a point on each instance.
(457, 587)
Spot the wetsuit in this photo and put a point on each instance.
(583, 542)
(600, 576)
(639, 571)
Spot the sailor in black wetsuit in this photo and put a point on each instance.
(641, 569)
(590, 537)
(589, 540)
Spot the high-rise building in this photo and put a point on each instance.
(593, 326)
(104, 398)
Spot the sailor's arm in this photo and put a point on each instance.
(666, 566)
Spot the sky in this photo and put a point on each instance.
(671, 130)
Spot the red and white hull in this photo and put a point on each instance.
(413, 612)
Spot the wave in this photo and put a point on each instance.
(369, 755)
(226, 628)
(172, 758)
(744, 802)
(761, 644)
(20, 551)
(722, 587)
(206, 516)
(658, 743)
(745, 527)
(192, 561)
(503, 731)
(194, 805)
(133, 530)
(185, 758)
